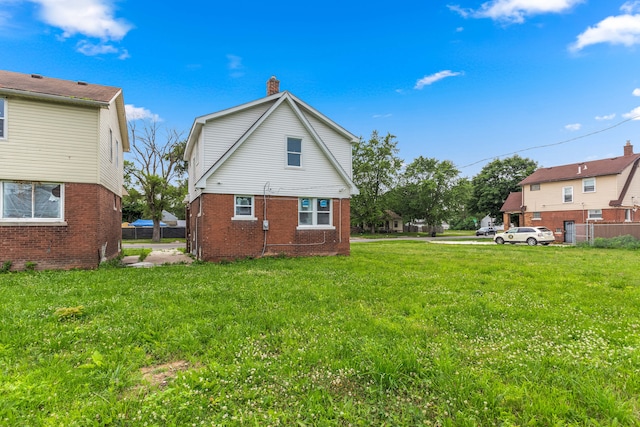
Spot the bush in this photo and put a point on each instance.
(620, 242)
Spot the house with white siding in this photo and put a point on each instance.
(61, 171)
(268, 177)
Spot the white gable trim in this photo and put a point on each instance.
(281, 98)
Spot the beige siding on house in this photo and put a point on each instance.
(50, 142)
(260, 163)
(550, 195)
(111, 157)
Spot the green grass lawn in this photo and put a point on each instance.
(400, 333)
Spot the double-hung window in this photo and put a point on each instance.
(294, 152)
(244, 207)
(567, 194)
(589, 185)
(24, 201)
(3, 118)
(313, 212)
(595, 213)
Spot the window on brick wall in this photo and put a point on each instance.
(595, 213)
(20, 201)
(537, 215)
(244, 207)
(627, 215)
(313, 212)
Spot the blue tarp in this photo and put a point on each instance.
(145, 223)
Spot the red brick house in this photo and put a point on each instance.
(600, 191)
(272, 176)
(61, 171)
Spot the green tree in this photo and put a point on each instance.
(157, 164)
(496, 180)
(427, 191)
(375, 169)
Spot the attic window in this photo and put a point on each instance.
(534, 187)
(294, 152)
(2, 119)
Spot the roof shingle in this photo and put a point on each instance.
(34, 85)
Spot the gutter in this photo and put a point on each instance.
(56, 98)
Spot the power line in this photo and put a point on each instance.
(552, 144)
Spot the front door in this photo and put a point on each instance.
(569, 232)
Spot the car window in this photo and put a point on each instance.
(544, 229)
(526, 230)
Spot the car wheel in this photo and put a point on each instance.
(500, 241)
(531, 241)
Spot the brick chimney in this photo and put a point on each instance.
(273, 86)
(628, 149)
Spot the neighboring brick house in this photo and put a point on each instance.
(560, 197)
(61, 171)
(269, 177)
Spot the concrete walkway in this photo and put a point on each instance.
(158, 257)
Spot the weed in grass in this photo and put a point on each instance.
(6, 267)
(69, 313)
(30, 265)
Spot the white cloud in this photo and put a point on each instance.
(515, 11)
(382, 116)
(459, 29)
(622, 29)
(92, 18)
(631, 7)
(633, 114)
(235, 65)
(139, 113)
(606, 117)
(428, 80)
(573, 127)
(636, 92)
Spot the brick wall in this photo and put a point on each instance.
(554, 221)
(215, 237)
(91, 221)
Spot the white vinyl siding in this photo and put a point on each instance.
(108, 163)
(51, 142)
(340, 147)
(256, 167)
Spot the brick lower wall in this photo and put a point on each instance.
(214, 236)
(91, 222)
(555, 220)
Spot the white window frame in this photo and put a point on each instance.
(110, 145)
(3, 118)
(534, 187)
(627, 215)
(584, 185)
(565, 194)
(312, 208)
(288, 153)
(595, 214)
(536, 216)
(57, 220)
(240, 216)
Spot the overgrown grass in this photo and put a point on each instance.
(400, 333)
(145, 241)
(142, 253)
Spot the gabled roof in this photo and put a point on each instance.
(513, 202)
(612, 166)
(40, 87)
(277, 100)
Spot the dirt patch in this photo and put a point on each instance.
(159, 375)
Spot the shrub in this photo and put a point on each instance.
(620, 242)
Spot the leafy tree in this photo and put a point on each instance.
(375, 168)
(496, 180)
(461, 217)
(428, 191)
(157, 164)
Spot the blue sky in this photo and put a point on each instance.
(460, 80)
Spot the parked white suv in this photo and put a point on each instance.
(529, 235)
